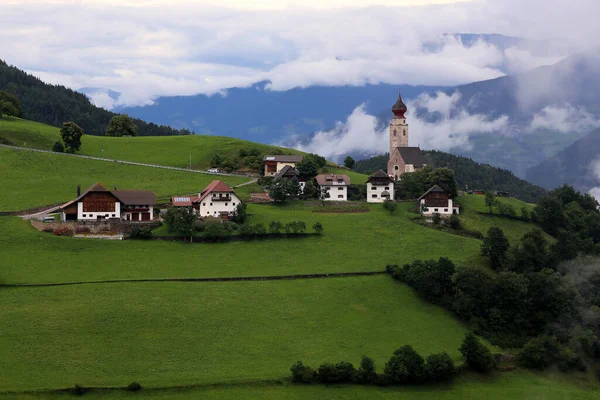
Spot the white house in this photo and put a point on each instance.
(216, 200)
(336, 185)
(437, 201)
(380, 187)
(99, 203)
(274, 164)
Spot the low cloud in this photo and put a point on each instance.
(451, 129)
(595, 167)
(191, 48)
(565, 119)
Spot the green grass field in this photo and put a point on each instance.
(164, 150)
(166, 334)
(474, 216)
(31, 179)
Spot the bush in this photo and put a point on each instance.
(260, 229)
(539, 352)
(58, 147)
(327, 373)
(571, 361)
(302, 373)
(366, 372)
(345, 371)
(78, 390)
(318, 228)
(405, 366)
(215, 230)
(134, 387)
(475, 354)
(275, 227)
(142, 233)
(390, 206)
(436, 218)
(240, 214)
(454, 222)
(440, 367)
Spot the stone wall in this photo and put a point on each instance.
(91, 227)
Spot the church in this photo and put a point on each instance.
(402, 157)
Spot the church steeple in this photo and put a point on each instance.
(399, 108)
(398, 127)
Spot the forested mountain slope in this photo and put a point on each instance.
(468, 173)
(54, 104)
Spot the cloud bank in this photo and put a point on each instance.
(450, 130)
(192, 47)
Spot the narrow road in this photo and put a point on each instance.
(251, 181)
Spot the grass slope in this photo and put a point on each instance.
(474, 216)
(163, 150)
(351, 242)
(30, 179)
(179, 333)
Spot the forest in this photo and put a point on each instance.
(55, 104)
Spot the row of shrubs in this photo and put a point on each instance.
(80, 390)
(405, 366)
(221, 230)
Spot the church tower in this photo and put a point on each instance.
(398, 126)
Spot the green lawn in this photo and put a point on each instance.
(31, 179)
(350, 242)
(474, 217)
(165, 334)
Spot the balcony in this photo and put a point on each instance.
(220, 198)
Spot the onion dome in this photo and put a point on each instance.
(399, 108)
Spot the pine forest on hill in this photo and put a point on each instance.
(55, 104)
(468, 173)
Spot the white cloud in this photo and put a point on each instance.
(145, 49)
(566, 119)
(360, 134)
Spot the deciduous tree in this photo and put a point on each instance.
(121, 125)
(71, 134)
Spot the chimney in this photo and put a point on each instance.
(78, 190)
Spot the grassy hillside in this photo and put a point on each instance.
(474, 216)
(31, 179)
(225, 331)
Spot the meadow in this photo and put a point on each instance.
(113, 334)
(31, 179)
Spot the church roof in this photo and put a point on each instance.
(412, 155)
(399, 108)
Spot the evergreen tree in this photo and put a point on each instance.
(494, 246)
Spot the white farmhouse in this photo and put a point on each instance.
(380, 187)
(216, 200)
(336, 185)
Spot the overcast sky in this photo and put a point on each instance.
(151, 48)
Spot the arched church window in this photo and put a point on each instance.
(404, 133)
(396, 168)
(395, 133)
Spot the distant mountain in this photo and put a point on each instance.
(54, 104)
(468, 173)
(574, 166)
(266, 116)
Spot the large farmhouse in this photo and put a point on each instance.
(274, 164)
(216, 200)
(437, 201)
(336, 185)
(99, 203)
(402, 157)
(380, 187)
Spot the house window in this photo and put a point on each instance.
(211, 204)
(84, 215)
(386, 188)
(374, 188)
(435, 210)
(225, 203)
(445, 210)
(340, 188)
(374, 196)
(340, 196)
(203, 204)
(114, 215)
(233, 204)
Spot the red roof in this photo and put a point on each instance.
(182, 201)
(214, 186)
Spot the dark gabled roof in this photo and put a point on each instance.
(287, 172)
(379, 176)
(412, 155)
(96, 187)
(433, 189)
(293, 159)
(129, 197)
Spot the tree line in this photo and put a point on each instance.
(468, 173)
(56, 104)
